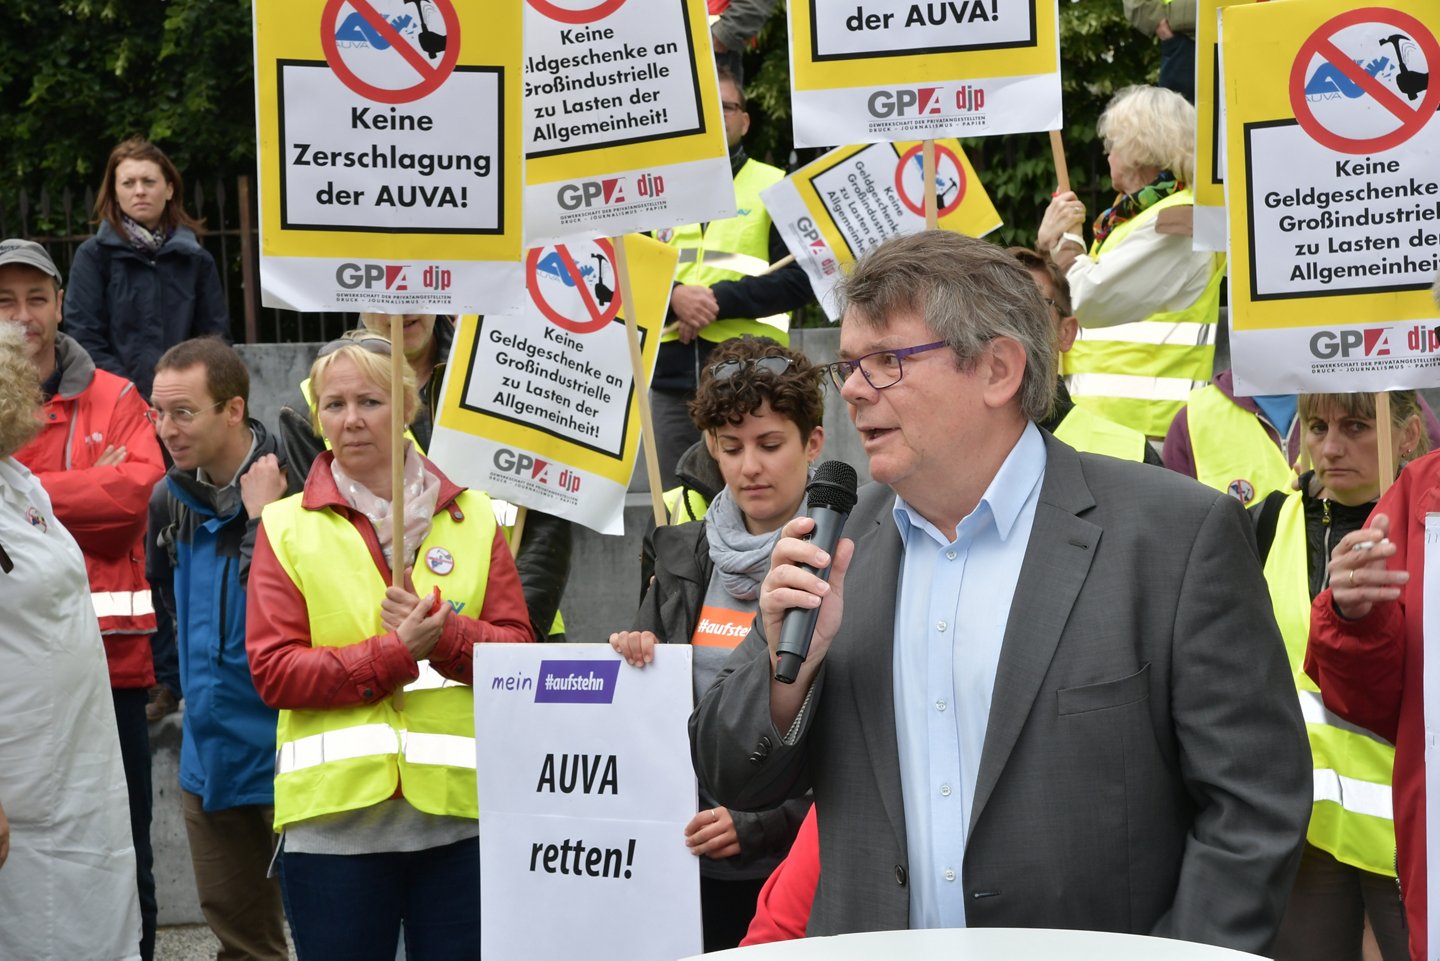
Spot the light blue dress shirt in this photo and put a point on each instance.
(950, 621)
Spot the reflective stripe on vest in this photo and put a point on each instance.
(730, 249)
(1139, 374)
(1351, 817)
(1089, 432)
(122, 603)
(370, 740)
(1232, 450)
(352, 757)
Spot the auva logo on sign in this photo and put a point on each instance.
(1329, 344)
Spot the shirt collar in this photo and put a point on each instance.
(1003, 500)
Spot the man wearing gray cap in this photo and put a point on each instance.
(97, 458)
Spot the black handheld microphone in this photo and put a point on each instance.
(831, 498)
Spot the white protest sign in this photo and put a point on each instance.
(584, 810)
(623, 129)
(541, 408)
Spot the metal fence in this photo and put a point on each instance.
(231, 236)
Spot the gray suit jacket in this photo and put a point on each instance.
(1145, 767)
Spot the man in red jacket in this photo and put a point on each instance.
(98, 459)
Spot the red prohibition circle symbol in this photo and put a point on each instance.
(431, 76)
(919, 208)
(1320, 43)
(595, 318)
(585, 15)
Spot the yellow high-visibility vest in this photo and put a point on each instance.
(1232, 451)
(349, 758)
(731, 249)
(1139, 374)
(1352, 817)
(1088, 431)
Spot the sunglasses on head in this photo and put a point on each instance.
(371, 342)
(727, 369)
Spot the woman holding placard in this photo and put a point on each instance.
(759, 407)
(1347, 869)
(375, 768)
(1156, 298)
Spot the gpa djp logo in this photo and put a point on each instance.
(905, 102)
(818, 248)
(391, 277)
(1350, 343)
(609, 191)
(536, 469)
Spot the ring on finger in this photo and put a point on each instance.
(1352, 577)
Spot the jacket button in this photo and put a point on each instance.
(369, 694)
(900, 874)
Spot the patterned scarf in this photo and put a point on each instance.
(1129, 205)
(142, 238)
(422, 492)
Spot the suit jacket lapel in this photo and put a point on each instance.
(870, 591)
(1057, 561)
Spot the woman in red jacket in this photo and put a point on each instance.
(375, 766)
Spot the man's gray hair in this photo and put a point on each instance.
(968, 292)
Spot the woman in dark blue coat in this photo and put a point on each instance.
(143, 283)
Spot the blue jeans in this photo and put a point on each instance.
(351, 905)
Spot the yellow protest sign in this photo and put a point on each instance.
(839, 206)
(1333, 167)
(1209, 186)
(541, 408)
(876, 70)
(390, 167)
(623, 126)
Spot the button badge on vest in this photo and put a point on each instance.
(440, 561)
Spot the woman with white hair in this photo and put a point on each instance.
(67, 863)
(1155, 297)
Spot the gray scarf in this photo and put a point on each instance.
(742, 558)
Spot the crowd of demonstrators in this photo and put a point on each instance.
(374, 773)
(67, 862)
(724, 288)
(759, 407)
(97, 458)
(1144, 764)
(1347, 870)
(203, 522)
(1147, 302)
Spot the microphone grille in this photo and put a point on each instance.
(833, 486)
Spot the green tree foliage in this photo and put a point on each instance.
(78, 76)
(1099, 54)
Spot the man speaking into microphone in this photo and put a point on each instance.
(1044, 688)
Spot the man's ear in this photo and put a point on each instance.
(1067, 331)
(234, 411)
(1002, 370)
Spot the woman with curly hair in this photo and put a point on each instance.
(143, 283)
(758, 407)
(67, 863)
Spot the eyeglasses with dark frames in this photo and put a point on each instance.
(182, 416)
(727, 369)
(880, 368)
